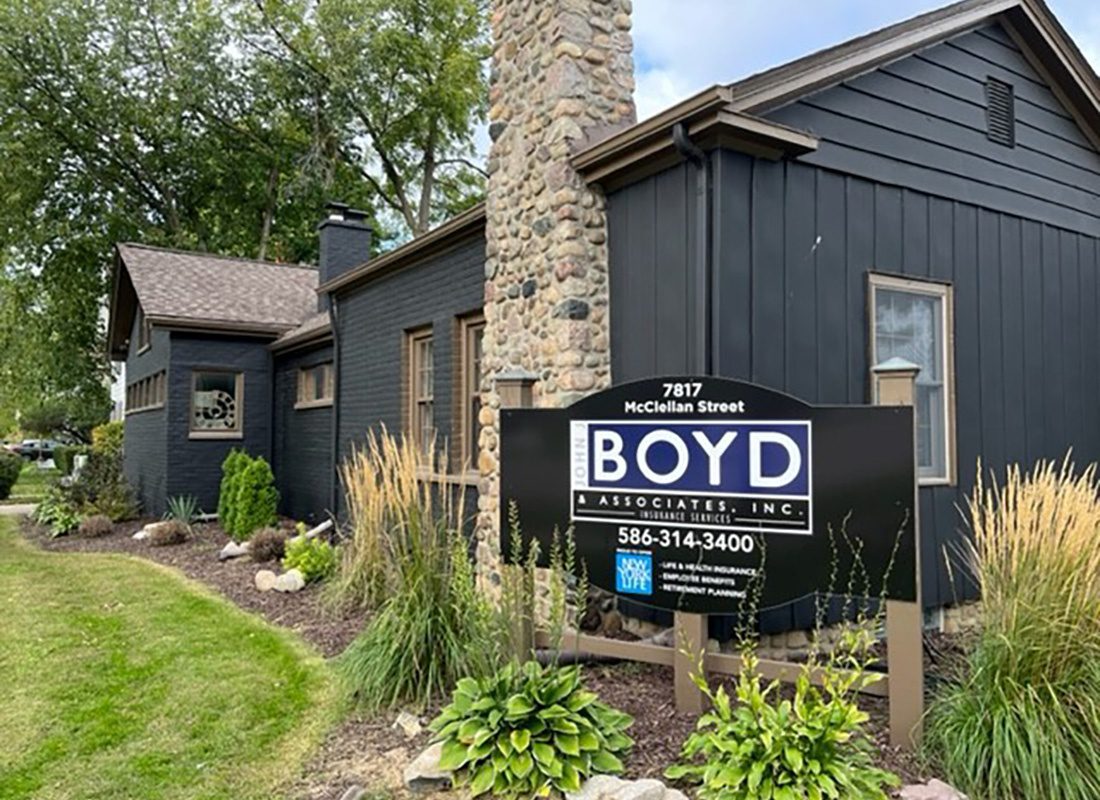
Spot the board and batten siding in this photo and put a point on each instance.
(373, 320)
(304, 468)
(145, 448)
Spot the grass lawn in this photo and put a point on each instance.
(124, 680)
(31, 486)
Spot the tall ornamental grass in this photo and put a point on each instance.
(407, 558)
(1022, 720)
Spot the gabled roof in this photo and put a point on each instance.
(1031, 23)
(207, 292)
(316, 327)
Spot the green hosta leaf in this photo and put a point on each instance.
(522, 764)
(543, 753)
(604, 761)
(568, 744)
(579, 700)
(793, 758)
(588, 740)
(521, 738)
(483, 780)
(454, 756)
(570, 781)
(554, 712)
(518, 705)
(564, 726)
(467, 687)
(469, 730)
(504, 745)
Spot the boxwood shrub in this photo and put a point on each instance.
(10, 467)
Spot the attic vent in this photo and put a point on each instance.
(1000, 112)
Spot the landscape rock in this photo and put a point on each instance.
(408, 724)
(609, 787)
(141, 535)
(933, 790)
(266, 580)
(290, 581)
(150, 529)
(233, 550)
(424, 774)
(354, 792)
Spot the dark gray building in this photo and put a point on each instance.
(929, 191)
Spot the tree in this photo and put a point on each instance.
(73, 419)
(222, 126)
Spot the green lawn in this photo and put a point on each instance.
(121, 679)
(31, 486)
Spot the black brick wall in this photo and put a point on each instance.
(145, 451)
(304, 469)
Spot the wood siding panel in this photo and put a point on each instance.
(303, 462)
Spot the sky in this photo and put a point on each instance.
(684, 46)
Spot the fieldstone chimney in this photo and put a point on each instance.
(345, 243)
(562, 79)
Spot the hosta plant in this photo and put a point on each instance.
(528, 731)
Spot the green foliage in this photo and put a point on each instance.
(1020, 718)
(184, 508)
(267, 544)
(96, 526)
(103, 489)
(232, 467)
(256, 503)
(11, 466)
(57, 512)
(169, 532)
(74, 417)
(811, 746)
(529, 730)
(65, 454)
(314, 558)
(107, 438)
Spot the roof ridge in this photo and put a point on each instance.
(219, 256)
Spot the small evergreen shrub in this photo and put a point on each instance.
(232, 467)
(314, 558)
(528, 731)
(169, 532)
(267, 544)
(257, 500)
(11, 466)
(96, 526)
(107, 438)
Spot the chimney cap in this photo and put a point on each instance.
(342, 212)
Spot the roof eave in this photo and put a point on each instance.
(321, 335)
(266, 329)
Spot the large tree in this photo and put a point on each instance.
(219, 125)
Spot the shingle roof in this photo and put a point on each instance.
(200, 288)
(314, 326)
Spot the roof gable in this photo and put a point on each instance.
(198, 290)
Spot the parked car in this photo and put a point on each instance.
(35, 449)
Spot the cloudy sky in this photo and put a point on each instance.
(683, 46)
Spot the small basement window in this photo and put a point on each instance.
(217, 404)
(914, 320)
(146, 394)
(316, 386)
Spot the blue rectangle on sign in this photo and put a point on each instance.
(634, 573)
(734, 458)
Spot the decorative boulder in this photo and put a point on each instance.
(266, 580)
(408, 724)
(141, 535)
(609, 787)
(290, 581)
(424, 774)
(150, 529)
(233, 550)
(933, 790)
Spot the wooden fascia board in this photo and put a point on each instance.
(217, 326)
(314, 338)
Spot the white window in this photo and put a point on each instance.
(217, 404)
(913, 320)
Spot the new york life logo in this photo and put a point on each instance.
(714, 475)
(633, 573)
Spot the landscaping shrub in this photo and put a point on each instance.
(169, 532)
(96, 526)
(185, 508)
(103, 489)
(527, 731)
(11, 466)
(56, 512)
(107, 438)
(64, 456)
(314, 558)
(232, 467)
(1021, 719)
(267, 544)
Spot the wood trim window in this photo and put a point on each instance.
(420, 381)
(146, 394)
(217, 404)
(915, 320)
(316, 386)
(145, 332)
(471, 337)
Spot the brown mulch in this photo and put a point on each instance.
(371, 752)
(302, 612)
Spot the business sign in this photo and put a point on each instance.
(681, 490)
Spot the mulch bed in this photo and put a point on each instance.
(371, 752)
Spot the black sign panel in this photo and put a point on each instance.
(680, 490)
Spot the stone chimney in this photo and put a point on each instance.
(345, 243)
(562, 79)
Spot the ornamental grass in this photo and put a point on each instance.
(1022, 719)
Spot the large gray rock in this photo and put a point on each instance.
(933, 790)
(266, 580)
(290, 581)
(609, 787)
(409, 724)
(233, 550)
(424, 774)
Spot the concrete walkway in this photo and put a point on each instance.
(20, 510)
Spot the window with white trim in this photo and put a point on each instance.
(421, 381)
(913, 320)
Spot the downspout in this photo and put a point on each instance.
(334, 476)
(701, 268)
